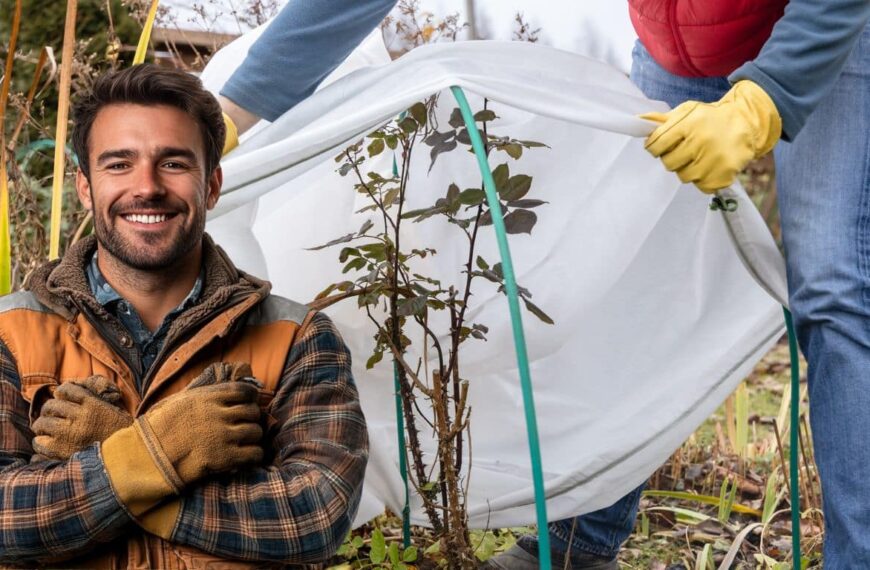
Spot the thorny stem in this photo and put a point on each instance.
(405, 389)
(453, 369)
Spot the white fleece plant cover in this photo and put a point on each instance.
(657, 318)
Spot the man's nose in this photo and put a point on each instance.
(148, 183)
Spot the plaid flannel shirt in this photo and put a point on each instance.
(297, 509)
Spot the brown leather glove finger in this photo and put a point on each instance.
(99, 386)
(220, 372)
(213, 416)
(56, 408)
(81, 419)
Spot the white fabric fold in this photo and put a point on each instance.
(658, 312)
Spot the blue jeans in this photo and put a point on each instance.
(823, 187)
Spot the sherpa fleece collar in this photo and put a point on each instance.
(62, 285)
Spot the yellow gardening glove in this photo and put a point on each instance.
(232, 139)
(81, 413)
(188, 436)
(709, 143)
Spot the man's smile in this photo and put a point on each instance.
(150, 219)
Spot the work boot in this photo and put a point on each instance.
(524, 556)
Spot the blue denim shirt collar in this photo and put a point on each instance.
(148, 343)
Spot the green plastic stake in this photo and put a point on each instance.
(510, 285)
(794, 445)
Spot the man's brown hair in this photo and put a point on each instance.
(150, 85)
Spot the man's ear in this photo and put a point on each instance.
(214, 182)
(83, 189)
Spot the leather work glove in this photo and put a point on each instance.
(709, 143)
(232, 138)
(197, 432)
(81, 413)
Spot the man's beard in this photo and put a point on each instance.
(145, 258)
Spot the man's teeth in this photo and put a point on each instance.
(143, 219)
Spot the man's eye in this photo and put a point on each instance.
(117, 166)
(174, 165)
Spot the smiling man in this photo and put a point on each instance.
(159, 408)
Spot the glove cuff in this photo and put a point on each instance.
(158, 455)
(232, 137)
(137, 481)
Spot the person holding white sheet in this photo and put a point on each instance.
(742, 76)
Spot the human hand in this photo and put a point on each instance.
(709, 143)
(81, 413)
(221, 431)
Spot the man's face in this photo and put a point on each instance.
(148, 189)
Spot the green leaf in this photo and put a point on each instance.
(374, 251)
(526, 203)
(326, 291)
(472, 196)
(433, 548)
(367, 225)
(532, 144)
(535, 310)
(408, 125)
(497, 270)
(485, 115)
(516, 187)
(486, 548)
(376, 147)
(481, 263)
(418, 111)
(486, 219)
(393, 553)
(390, 197)
(345, 168)
(336, 241)
(501, 175)
(374, 359)
(409, 554)
(392, 141)
(452, 193)
(347, 252)
(520, 222)
(514, 150)
(415, 306)
(456, 120)
(356, 263)
(378, 551)
(357, 541)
